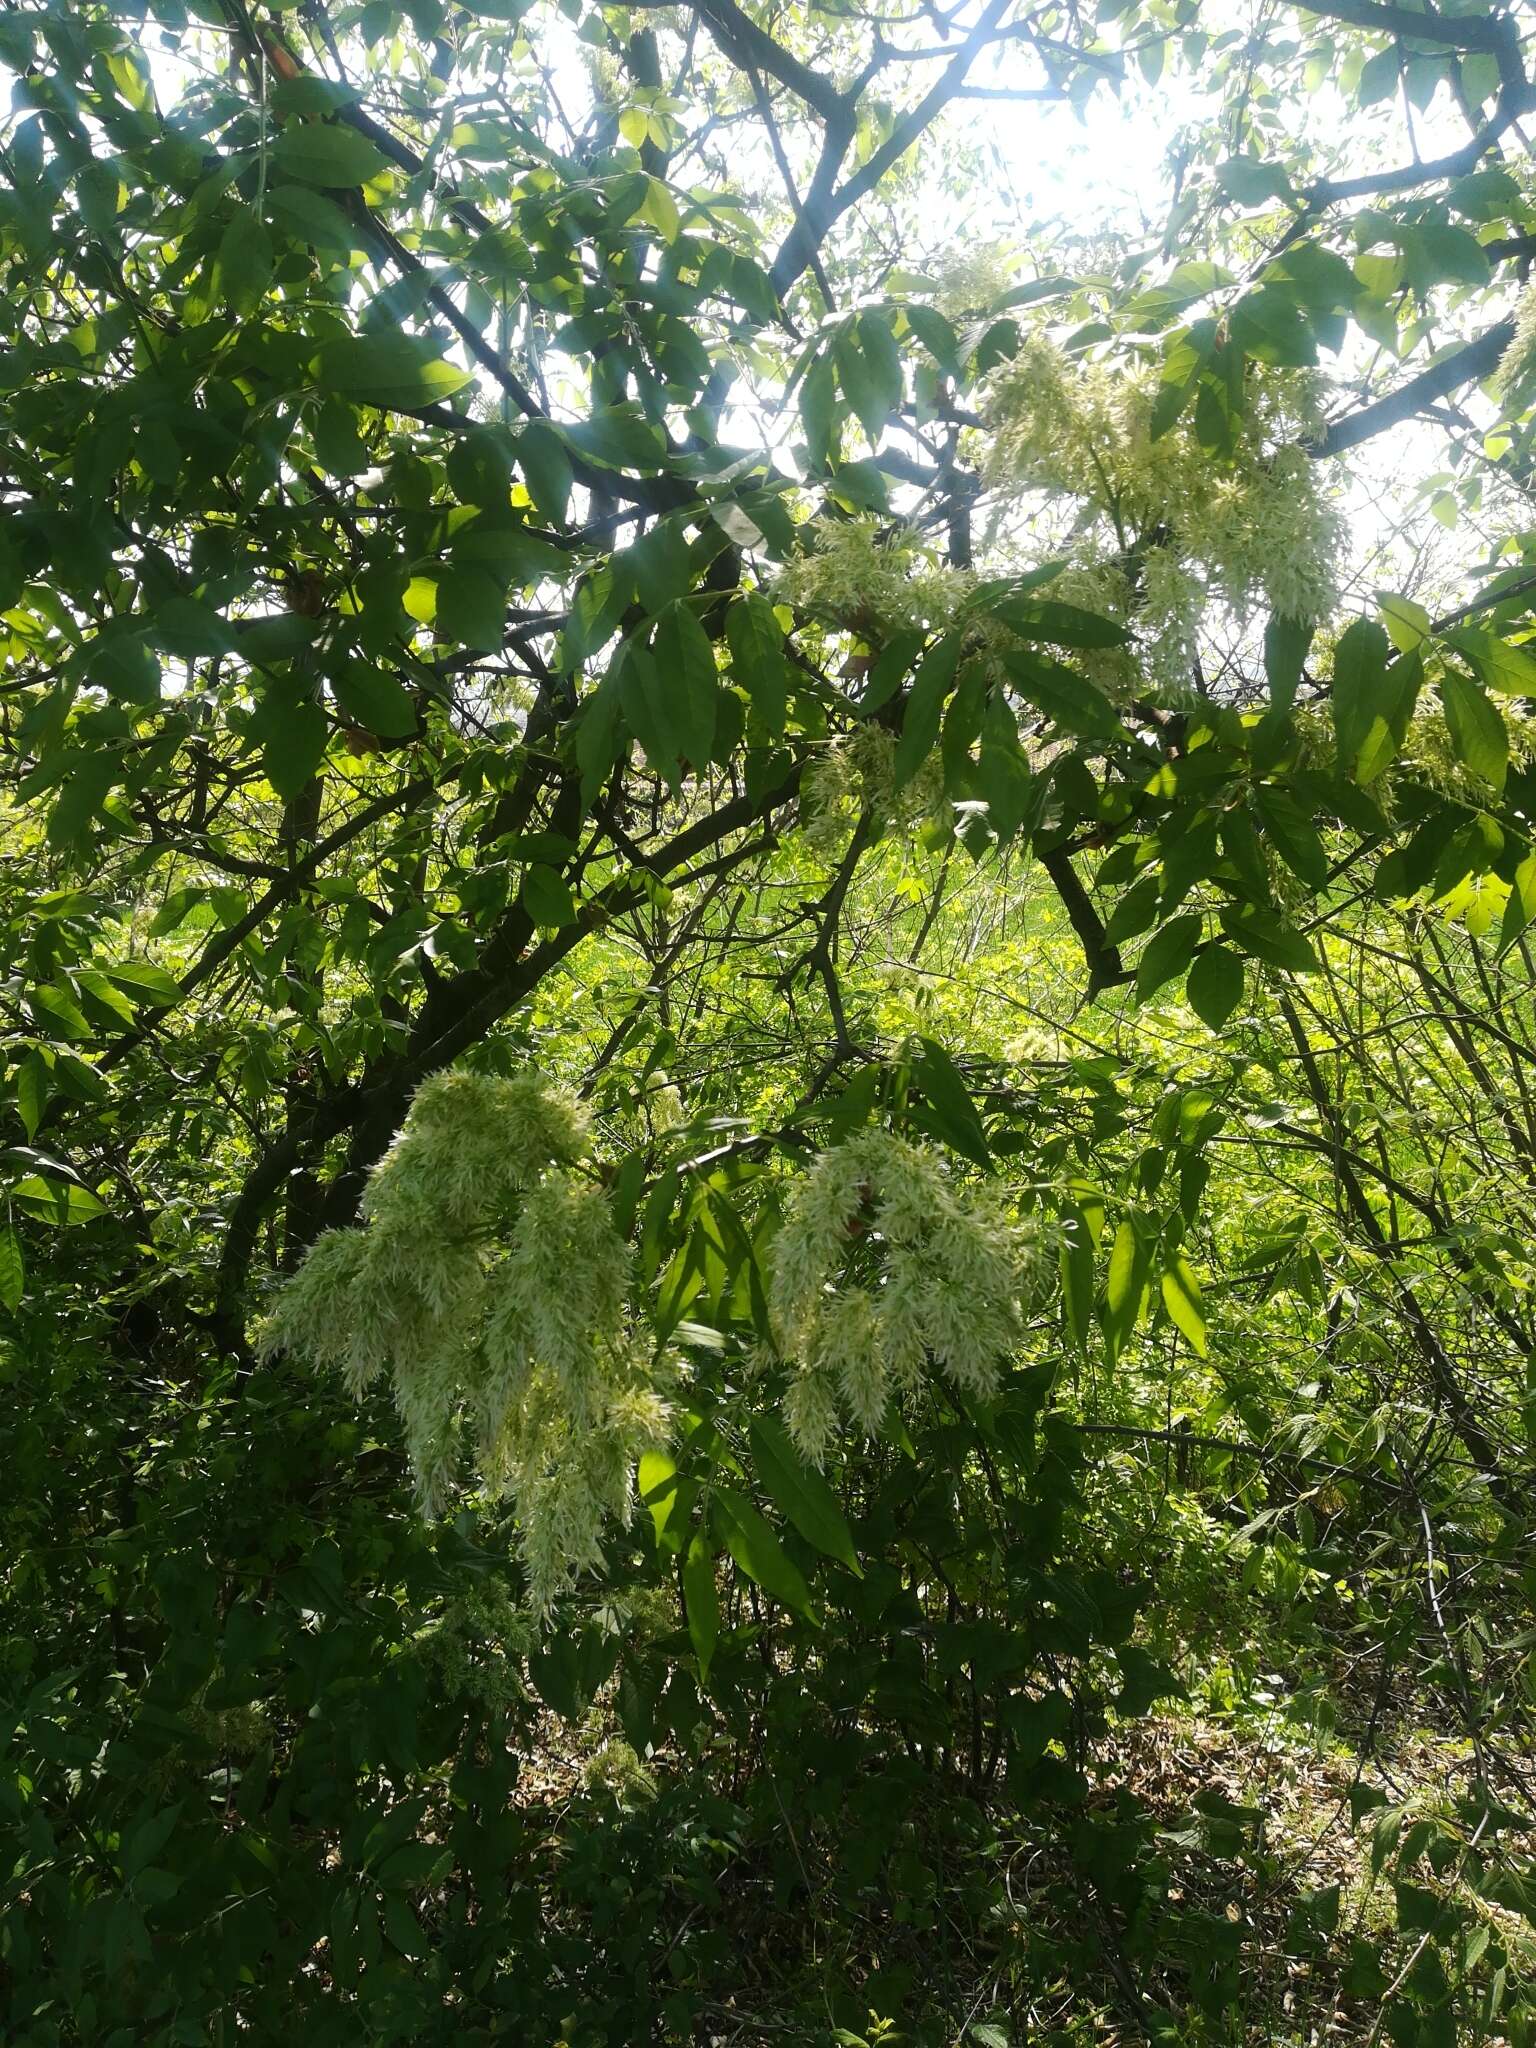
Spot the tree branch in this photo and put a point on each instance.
(1466, 365)
(824, 205)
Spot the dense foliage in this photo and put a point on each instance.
(770, 1148)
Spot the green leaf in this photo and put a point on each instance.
(13, 1272)
(1252, 182)
(619, 438)
(657, 1483)
(1503, 667)
(1407, 623)
(701, 1597)
(1294, 835)
(59, 1202)
(1063, 625)
(1187, 283)
(32, 1080)
(292, 732)
(188, 627)
(1437, 253)
(685, 671)
(1143, 1681)
(547, 898)
(471, 608)
(757, 658)
(1478, 732)
(1167, 953)
(1261, 933)
(243, 267)
(1125, 1285)
(309, 217)
(1271, 328)
(1521, 907)
(760, 1554)
(925, 708)
(937, 336)
(402, 1927)
(374, 699)
(818, 411)
(598, 740)
(546, 467)
(800, 1492)
(1215, 985)
(869, 369)
(1373, 699)
(124, 666)
(150, 984)
(1181, 1298)
(1075, 704)
(952, 1115)
(390, 371)
(1286, 642)
(326, 155)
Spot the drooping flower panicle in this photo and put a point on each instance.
(490, 1282)
(882, 1265)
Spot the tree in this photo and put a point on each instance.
(515, 523)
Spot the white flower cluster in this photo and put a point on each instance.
(1517, 367)
(872, 578)
(856, 773)
(882, 1265)
(970, 277)
(491, 1283)
(1251, 528)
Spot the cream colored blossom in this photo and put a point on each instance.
(1516, 379)
(870, 577)
(1183, 528)
(970, 277)
(491, 1284)
(883, 1263)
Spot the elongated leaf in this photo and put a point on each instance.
(326, 155)
(1215, 985)
(760, 1554)
(1181, 1298)
(685, 671)
(1167, 953)
(1503, 667)
(1286, 642)
(757, 657)
(1125, 1286)
(1294, 835)
(1261, 933)
(800, 1491)
(925, 708)
(390, 371)
(1062, 625)
(656, 1481)
(309, 217)
(952, 1114)
(374, 699)
(13, 1272)
(547, 898)
(701, 1597)
(32, 1079)
(1076, 704)
(1477, 730)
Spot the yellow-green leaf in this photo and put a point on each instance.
(1181, 1298)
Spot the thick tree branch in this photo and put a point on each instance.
(825, 204)
(1466, 365)
(1516, 99)
(1494, 34)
